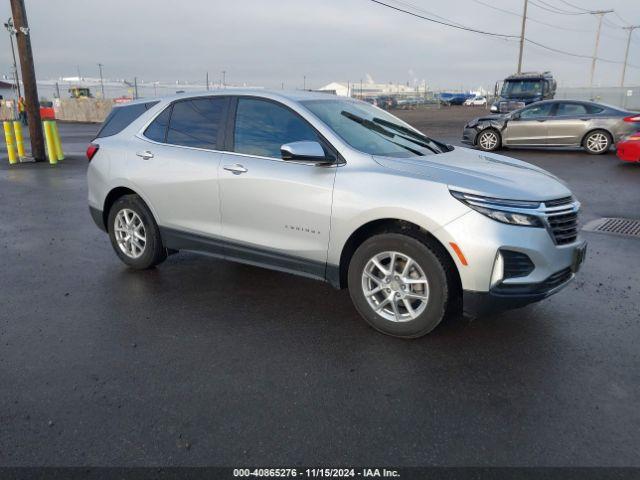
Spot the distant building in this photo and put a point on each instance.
(344, 89)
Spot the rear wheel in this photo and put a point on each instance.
(399, 285)
(597, 142)
(489, 140)
(134, 234)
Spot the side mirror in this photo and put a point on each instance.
(303, 151)
(515, 116)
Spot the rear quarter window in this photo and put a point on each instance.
(121, 117)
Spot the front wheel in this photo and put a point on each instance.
(597, 142)
(399, 285)
(489, 140)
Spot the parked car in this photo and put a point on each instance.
(478, 101)
(454, 98)
(628, 148)
(337, 190)
(553, 123)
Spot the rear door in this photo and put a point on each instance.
(274, 212)
(176, 162)
(569, 124)
(530, 128)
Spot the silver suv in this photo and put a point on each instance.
(337, 190)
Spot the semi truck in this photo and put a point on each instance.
(522, 89)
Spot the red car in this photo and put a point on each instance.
(628, 148)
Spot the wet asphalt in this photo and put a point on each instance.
(204, 362)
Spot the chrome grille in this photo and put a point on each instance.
(562, 218)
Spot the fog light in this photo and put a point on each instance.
(498, 270)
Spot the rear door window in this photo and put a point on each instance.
(121, 117)
(197, 122)
(571, 110)
(594, 109)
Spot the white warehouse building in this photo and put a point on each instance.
(348, 89)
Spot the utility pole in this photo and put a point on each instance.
(207, 80)
(135, 88)
(524, 24)
(224, 78)
(23, 39)
(626, 54)
(304, 82)
(101, 82)
(601, 14)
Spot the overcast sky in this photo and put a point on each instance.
(267, 42)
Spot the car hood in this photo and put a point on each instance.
(482, 173)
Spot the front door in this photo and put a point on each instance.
(274, 212)
(529, 127)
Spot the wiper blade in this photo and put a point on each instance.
(408, 131)
(382, 131)
(368, 124)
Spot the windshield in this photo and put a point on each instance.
(521, 88)
(372, 130)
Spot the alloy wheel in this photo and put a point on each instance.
(597, 142)
(395, 286)
(488, 140)
(130, 233)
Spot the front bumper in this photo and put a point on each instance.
(476, 304)
(469, 136)
(480, 238)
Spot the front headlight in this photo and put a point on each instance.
(494, 108)
(512, 212)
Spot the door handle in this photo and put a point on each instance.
(236, 169)
(146, 155)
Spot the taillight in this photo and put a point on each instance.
(92, 149)
(632, 118)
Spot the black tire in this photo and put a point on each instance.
(602, 148)
(489, 146)
(153, 252)
(431, 264)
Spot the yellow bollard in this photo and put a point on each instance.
(17, 128)
(56, 141)
(11, 148)
(51, 148)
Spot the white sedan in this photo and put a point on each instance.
(477, 102)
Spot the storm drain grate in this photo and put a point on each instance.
(617, 226)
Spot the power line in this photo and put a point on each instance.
(574, 6)
(533, 42)
(621, 19)
(460, 27)
(559, 27)
(552, 9)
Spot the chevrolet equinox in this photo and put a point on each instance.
(337, 190)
